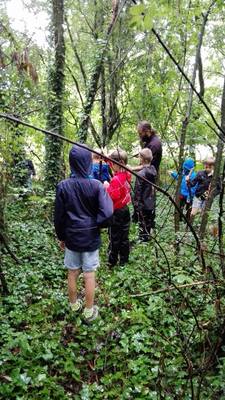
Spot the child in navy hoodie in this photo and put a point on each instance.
(119, 191)
(81, 206)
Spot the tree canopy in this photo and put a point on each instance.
(106, 65)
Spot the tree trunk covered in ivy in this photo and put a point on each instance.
(2, 228)
(54, 154)
(96, 72)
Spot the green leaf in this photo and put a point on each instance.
(181, 278)
(148, 21)
(41, 377)
(48, 355)
(25, 378)
(137, 10)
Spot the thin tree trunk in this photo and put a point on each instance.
(188, 115)
(103, 107)
(220, 224)
(54, 158)
(83, 73)
(201, 77)
(114, 116)
(93, 85)
(219, 154)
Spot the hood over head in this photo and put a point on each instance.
(80, 161)
(188, 164)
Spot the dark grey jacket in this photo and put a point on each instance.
(202, 182)
(144, 193)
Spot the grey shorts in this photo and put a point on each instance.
(198, 203)
(88, 261)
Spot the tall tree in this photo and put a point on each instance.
(54, 155)
(186, 119)
(18, 96)
(219, 155)
(96, 72)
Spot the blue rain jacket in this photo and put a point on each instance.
(81, 206)
(185, 192)
(100, 173)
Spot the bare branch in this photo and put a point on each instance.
(76, 52)
(169, 288)
(76, 84)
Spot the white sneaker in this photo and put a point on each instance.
(75, 307)
(90, 314)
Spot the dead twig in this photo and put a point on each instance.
(169, 288)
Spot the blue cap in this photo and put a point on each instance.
(188, 164)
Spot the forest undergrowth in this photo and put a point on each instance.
(161, 345)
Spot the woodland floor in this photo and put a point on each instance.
(134, 350)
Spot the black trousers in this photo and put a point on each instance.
(119, 237)
(185, 205)
(146, 221)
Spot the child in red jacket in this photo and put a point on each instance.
(119, 191)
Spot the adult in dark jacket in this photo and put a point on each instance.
(149, 139)
(81, 206)
(144, 196)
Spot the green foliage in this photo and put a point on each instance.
(138, 346)
(148, 347)
(145, 16)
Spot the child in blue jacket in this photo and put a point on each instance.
(100, 169)
(186, 192)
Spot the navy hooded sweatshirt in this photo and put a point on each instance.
(81, 206)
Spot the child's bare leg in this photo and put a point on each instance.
(194, 212)
(72, 284)
(89, 280)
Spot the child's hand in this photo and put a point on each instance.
(106, 184)
(205, 195)
(129, 166)
(62, 245)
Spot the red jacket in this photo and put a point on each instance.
(119, 189)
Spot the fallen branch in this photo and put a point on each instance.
(169, 288)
